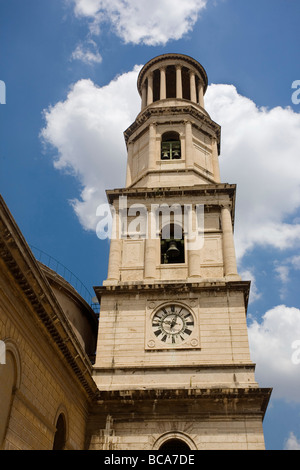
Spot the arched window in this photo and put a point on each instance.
(172, 244)
(174, 445)
(7, 384)
(60, 434)
(10, 378)
(170, 146)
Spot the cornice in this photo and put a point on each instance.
(181, 286)
(153, 111)
(203, 189)
(259, 397)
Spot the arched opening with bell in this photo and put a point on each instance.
(172, 244)
(170, 146)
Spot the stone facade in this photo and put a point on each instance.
(46, 386)
(163, 376)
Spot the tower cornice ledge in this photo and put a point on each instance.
(150, 194)
(204, 122)
(167, 287)
(174, 191)
(256, 398)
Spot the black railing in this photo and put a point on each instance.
(65, 273)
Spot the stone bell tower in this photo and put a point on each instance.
(173, 366)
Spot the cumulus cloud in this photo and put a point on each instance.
(292, 443)
(141, 21)
(87, 132)
(254, 292)
(260, 152)
(87, 53)
(275, 347)
(284, 271)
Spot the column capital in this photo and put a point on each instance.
(227, 206)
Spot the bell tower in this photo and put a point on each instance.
(173, 366)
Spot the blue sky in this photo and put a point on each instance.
(70, 69)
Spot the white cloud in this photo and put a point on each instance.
(260, 153)
(141, 21)
(295, 261)
(284, 271)
(272, 346)
(249, 275)
(292, 442)
(87, 53)
(87, 131)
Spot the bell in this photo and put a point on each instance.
(172, 251)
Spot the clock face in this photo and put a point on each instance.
(173, 324)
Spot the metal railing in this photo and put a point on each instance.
(66, 274)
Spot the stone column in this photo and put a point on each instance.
(194, 261)
(152, 146)
(115, 253)
(150, 89)
(194, 255)
(178, 82)
(188, 144)
(163, 89)
(215, 161)
(151, 244)
(201, 94)
(193, 87)
(229, 258)
(129, 164)
(144, 95)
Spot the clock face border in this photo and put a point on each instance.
(155, 336)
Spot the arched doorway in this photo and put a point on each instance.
(60, 434)
(174, 445)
